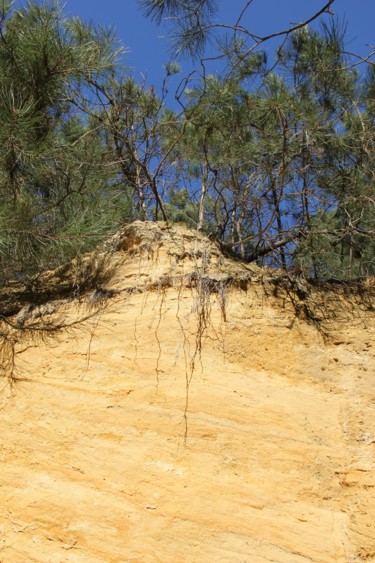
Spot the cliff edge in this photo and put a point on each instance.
(164, 402)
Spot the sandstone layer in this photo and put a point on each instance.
(189, 408)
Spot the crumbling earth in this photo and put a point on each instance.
(189, 408)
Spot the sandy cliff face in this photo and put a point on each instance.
(194, 409)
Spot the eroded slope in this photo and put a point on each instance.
(196, 415)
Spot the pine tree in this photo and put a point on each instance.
(54, 186)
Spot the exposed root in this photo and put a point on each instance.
(31, 313)
(36, 327)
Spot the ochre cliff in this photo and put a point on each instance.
(189, 409)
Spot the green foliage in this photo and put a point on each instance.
(274, 159)
(181, 208)
(55, 184)
(191, 20)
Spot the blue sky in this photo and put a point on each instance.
(148, 49)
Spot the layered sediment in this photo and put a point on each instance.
(186, 407)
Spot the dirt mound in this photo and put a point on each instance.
(164, 402)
